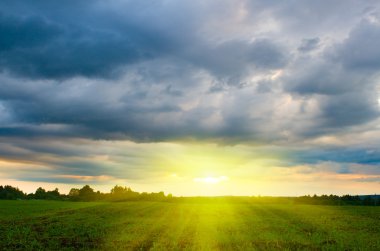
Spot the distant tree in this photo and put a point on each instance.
(74, 194)
(116, 190)
(143, 196)
(86, 193)
(368, 201)
(86, 190)
(11, 193)
(119, 193)
(159, 196)
(99, 196)
(40, 194)
(53, 195)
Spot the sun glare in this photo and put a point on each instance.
(211, 180)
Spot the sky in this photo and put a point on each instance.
(192, 97)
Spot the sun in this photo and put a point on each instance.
(211, 180)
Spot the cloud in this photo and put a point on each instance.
(359, 52)
(244, 72)
(342, 110)
(233, 60)
(41, 42)
(64, 40)
(309, 44)
(24, 33)
(40, 48)
(80, 160)
(343, 155)
(343, 79)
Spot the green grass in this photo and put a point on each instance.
(48, 225)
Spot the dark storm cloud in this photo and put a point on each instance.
(25, 33)
(350, 109)
(342, 79)
(338, 155)
(48, 41)
(250, 72)
(360, 51)
(231, 60)
(345, 98)
(62, 40)
(309, 44)
(322, 78)
(77, 161)
(33, 47)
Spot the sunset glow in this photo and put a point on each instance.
(191, 97)
(211, 180)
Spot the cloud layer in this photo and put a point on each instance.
(293, 75)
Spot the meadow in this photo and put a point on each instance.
(192, 225)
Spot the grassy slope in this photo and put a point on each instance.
(162, 226)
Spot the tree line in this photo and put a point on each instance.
(120, 193)
(86, 193)
(361, 200)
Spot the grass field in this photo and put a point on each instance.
(51, 225)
